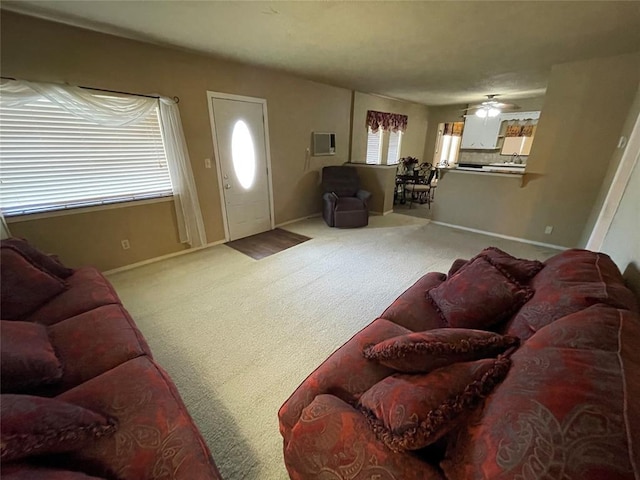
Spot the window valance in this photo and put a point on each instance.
(453, 128)
(519, 131)
(387, 121)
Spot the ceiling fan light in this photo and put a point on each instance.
(493, 112)
(482, 113)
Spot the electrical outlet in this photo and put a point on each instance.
(125, 244)
(548, 229)
(207, 163)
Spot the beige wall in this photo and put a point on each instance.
(413, 138)
(585, 107)
(380, 181)
(632, 116)
(38, 50)
(94, 238)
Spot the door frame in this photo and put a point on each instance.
(630, 157)
(265, 120)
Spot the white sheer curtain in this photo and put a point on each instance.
(190, 223)
(4, 228)
(93, 106)
(117, 111)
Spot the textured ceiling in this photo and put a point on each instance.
(431, 52)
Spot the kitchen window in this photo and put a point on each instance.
(374, 147)
(448, 144)
(384, 137)
(395, 142)
(376, 143)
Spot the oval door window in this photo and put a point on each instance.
(243, 154)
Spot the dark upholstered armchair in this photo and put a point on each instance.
(344, 204)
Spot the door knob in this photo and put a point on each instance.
(227, 186)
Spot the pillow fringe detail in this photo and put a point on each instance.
(433, 426)
(22, 444)
(401, 349)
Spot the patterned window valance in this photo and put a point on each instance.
(453, 128)
(387, 121)
(527, 131)
(513, 131)
(519, 131)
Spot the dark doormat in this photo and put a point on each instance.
(267, 243)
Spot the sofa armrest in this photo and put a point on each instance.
(330, 197)
(364, 196)
(412, 309)
(346, 374)
(332, 436)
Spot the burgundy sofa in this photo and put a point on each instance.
(70, 354)
(568, 407)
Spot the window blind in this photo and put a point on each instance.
(53, 160)
(374, 150)
(393, 154)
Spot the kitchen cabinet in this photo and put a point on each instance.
(481, 133)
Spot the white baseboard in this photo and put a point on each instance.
(499, 235)
(162, 257)
(298, 219)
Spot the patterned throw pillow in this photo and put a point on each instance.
(422, 352)
(478, 296)
(27, 358)
(38, 425)
(520, 269)
(410, 412)
(25, 286)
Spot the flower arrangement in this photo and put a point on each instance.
(409, 163)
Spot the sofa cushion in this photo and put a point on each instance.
(571, 281)
(478, 296)
(25, 471)
(27, 357)
(44, 261)
(155, 432)
(95, 341)
(421, 352)
(88, 289)
(346, 374)
(333, 440)
(38, 425)
(566, 409)
(348, 204)
(409, 412)
(24, 285)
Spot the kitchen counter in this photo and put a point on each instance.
(501, 170)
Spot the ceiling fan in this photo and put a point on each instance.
(490, 107)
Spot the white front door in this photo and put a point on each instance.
(239, 131)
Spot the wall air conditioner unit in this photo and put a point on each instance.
(324, 144)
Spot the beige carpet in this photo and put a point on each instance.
(238, 335)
